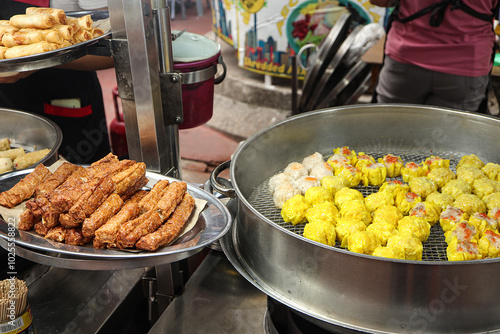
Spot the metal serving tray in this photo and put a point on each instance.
(60, 56)
(212, 224)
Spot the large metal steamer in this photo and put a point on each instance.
(341, 289)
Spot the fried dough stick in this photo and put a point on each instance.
(172, 197)
(56, 233)
(151, 199)
(88, 202)
(34, 211)
(126, 179)
(172, 227)
(27, 220)
(63, 196)
(99, 217)
(107, 233)
(60, 175)
(151, 220)
(25, 188)
(40, 228)
(75, 237)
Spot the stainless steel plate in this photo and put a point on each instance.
(56, 57)
(212, 224)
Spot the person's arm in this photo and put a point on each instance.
(384, 3)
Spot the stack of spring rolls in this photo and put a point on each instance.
(41, 30)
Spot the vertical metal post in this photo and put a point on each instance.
(134, 24)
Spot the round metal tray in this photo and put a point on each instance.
(56, 57)
(214, 221)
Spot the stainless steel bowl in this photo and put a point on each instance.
(31, 132)
(341, 288)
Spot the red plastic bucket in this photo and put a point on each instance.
(196, 57)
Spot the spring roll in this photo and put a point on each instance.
(35, 21)
(3, 49)
(65, 30)
(31, 158)
(58, 14)
(22, 37)
(31, 49)
(82, 35)
(84, 22)
(6, 29)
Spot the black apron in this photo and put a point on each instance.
(85, 132)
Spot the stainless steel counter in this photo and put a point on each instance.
(216, 299)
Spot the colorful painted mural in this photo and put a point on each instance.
(267, 32)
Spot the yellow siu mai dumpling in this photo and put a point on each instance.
(320, 232)
(492, 171)
(450, 217)
(378, 199)
(416, 226)
(433, 162)
(348, 153)
(482, 223)
(494, 213)
(389, 253)
(364, 159)
(427, 211)
(405, 201)
(484, 187)
(440, 201)
(362, 242)
(422, 186)
(333, 183)
(411, 170)
(471, 160)
(470, 204)
(294, 210)
(456, 188)
(346, 227)
(347, 194)
(470, 174)
(382, 230)
(351, 174)
(394, 187)
(441, 176)
(462, 231)
(356, 210)
(410, 245)
(393, 164)
(317, 195)
(373, 174)
(325, 212)
(492, 200)
(337, 161)
(463, 251)
(489, 244)
(387, 214)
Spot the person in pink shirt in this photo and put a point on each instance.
(438, 53)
